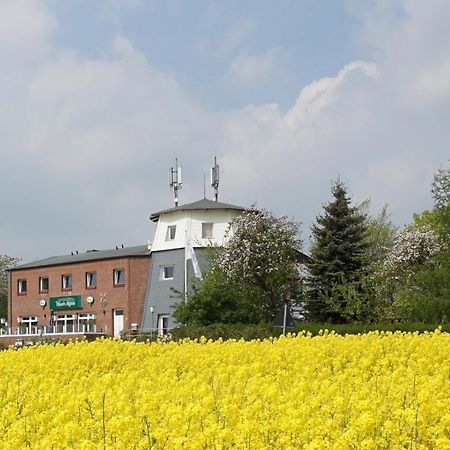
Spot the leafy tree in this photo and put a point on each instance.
(251, 275)
(425, 297)
(261, 256)
(5, 263)
(338, 259)
(380, 236)
(440, 188)
(214, 300)
(418, 267)
(412, 249)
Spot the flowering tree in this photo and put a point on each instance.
(417, 269)
(262, 256)
(251, 275)
(412, 248)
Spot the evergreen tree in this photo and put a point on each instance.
(338, 258)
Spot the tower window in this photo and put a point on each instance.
(207, 230)
(171, 231)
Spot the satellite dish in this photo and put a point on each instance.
(90, 299)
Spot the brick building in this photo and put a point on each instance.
(94, 292)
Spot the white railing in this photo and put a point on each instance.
(50, 330)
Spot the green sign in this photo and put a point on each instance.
(66, 302)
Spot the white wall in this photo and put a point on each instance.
(189, 226)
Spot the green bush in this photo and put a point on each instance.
(262, 331)
(350, 328)
(226, 331)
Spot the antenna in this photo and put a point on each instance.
(215, 179)
(175, 180)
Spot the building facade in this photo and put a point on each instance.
(179, 252)
(93, 292)
(108, 292)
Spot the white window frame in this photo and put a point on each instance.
(91, 280)
(65, 282)
(116, 276)
(30, 323)
(207, 230)
(87, 322)
(41, 287)
(163, 330)
(171, 232)
(162, 274)
(22, 286)
(63, 325)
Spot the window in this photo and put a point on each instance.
(67, 282)
(22, 287)
(43, 284)
(171, 231)
(91, 280)
(119, 277)
(87, 322)
(207, 230)
(167, 273)
(27, 324)
(65, 323)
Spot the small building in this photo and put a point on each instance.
(101, 292)
(179, 252)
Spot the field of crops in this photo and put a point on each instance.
(372, 391)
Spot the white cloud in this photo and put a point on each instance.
(316, 96)
(248, 69)
(24, 29)
(86, 143)
(237, 36)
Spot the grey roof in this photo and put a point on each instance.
(90, 255)
(203, 204)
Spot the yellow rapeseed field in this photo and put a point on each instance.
(371, 391)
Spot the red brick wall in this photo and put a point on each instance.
(130, 297)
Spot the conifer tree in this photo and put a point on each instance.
(337, 257)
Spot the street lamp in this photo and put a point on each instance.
(152, 310)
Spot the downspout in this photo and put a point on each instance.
(9, 315)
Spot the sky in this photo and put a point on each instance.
(98, 98)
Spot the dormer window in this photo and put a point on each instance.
(171, 231)
(207, 230)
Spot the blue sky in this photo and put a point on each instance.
(99, 97)
(197, 41)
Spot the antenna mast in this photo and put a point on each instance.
(175, 180)
(215, 179)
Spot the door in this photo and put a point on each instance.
(118, 321)
(163, 324)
